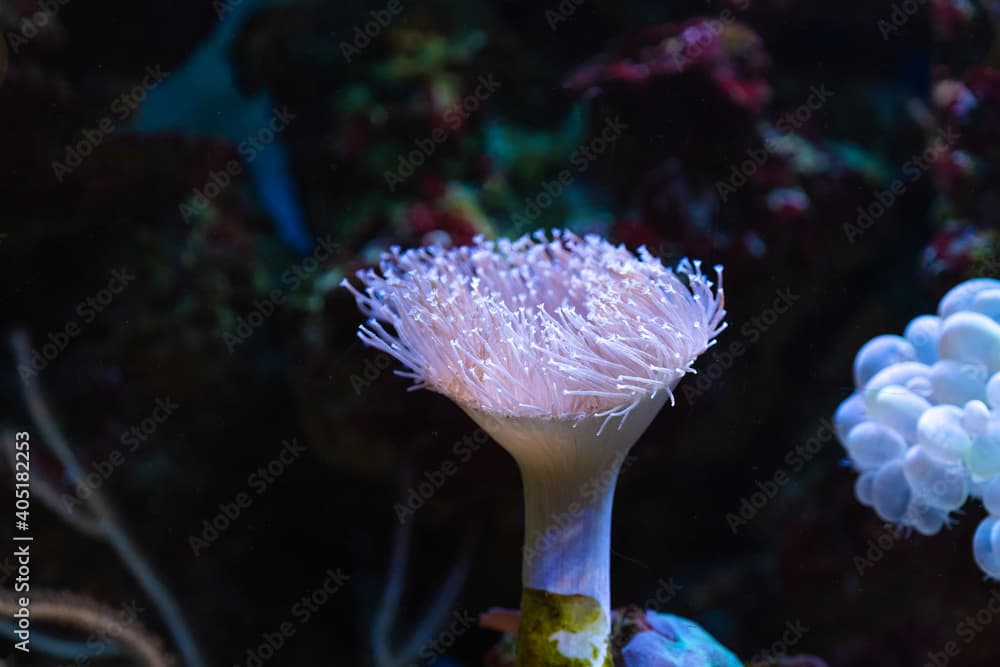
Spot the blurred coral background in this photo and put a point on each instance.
(187, 183)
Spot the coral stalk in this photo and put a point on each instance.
(569, 471)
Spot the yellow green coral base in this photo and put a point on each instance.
(562, 631)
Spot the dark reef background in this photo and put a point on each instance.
(236, 160)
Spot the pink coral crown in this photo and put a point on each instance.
(564, 328)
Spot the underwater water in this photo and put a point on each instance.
(701, 302)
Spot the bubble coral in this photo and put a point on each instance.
(923, 426)
(563, 350)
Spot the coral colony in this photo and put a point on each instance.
(563, 350)
(923, 427)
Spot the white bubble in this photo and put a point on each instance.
(991, 496)
(900, 374)
(921, 387)
(890, 492)
(974, 417)
(935, 482)
(925, 519)
(878, 353)
(872, 445)
(923, 333)
(864, 488)
(993, 391)
(899, 409)
(849, 414)
(961, 296)
(971, 338)
(987, 302)
(957, 383)
(940, 433)
(983, 458)
(984, 547)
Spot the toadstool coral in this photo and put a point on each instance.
(563, 349)
(923, 426)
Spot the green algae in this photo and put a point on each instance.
(562, 631)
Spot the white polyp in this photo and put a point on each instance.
(864, 487)
(975, 415)
(899, 409)
(961, 296)
(957, 383)
(971, 338)
(935, 482)
(925, 519)
(872, 445)
(923, 333)
(983, 547)
(850, 413)
(560, 328)
(545, 342)
(941, 434)
(983, 459)
(878, 353)
(890, 492)
(990, 492)
(993, 391)
(987, 302)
